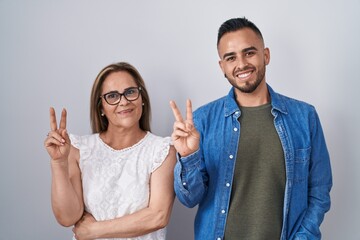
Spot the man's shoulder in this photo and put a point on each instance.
(214, 105)
(292, 100)
(287, 103)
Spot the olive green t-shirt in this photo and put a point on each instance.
(256, 203)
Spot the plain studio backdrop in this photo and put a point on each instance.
(51, 52)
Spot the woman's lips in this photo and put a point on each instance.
(125, 111)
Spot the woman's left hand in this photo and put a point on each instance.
(82, 228)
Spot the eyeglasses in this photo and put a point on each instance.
(114, 97)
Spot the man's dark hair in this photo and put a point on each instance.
(235, 24)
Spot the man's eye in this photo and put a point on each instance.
(230, 59)
(249, 54)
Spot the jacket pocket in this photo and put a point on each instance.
(301, 166)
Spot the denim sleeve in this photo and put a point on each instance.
(190, 179)
(319, 184)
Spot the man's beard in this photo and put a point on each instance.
(249, 86)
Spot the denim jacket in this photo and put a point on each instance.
(205, 177)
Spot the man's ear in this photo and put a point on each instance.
(267, 56)
(221, 66)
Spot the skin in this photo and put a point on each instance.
(185, 137)
(123, 131)
(243, 59)
(66, 190)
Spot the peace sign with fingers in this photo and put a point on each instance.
(57, 142)
(185, 137)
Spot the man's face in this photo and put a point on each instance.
(243, 59)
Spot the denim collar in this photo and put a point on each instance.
(276, 101)
(231, 106)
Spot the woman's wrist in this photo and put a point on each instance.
(59, 162)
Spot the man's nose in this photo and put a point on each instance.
(241, 62)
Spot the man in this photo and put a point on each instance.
(254, 161)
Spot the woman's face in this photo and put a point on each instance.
(126, 114)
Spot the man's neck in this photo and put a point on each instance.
(259, 97)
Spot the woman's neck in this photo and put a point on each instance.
(122, 138)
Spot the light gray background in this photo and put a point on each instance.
(51, 51)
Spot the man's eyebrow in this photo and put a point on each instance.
(252, 48)
(229, 54)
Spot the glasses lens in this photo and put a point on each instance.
(112, 97)
(131, 94)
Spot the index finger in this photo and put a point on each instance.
(53, 125)
(62, 124)
(176, 111)
(189, 114)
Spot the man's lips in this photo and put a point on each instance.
(244, 74)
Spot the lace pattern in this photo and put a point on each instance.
(116, 182)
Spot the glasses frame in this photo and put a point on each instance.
(121, 94)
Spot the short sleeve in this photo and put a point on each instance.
(162, 150)
(75, 141)
(83, 144)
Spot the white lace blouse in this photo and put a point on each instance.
(116, 182)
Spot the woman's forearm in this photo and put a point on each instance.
(66, 204)
(137, 224)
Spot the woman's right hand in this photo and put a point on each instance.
(185, 137)
(57, 142)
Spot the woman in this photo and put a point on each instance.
(117, 182)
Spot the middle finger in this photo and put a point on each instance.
(63, 119)
(189, 114)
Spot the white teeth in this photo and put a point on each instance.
(244, 75)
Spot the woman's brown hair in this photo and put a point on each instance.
(100, 123)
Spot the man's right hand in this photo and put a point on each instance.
(185, 137)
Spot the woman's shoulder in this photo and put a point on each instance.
(80, 141)
(158, 147)
(154, 139)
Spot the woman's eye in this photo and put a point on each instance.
(112, 95)
(130, 91)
